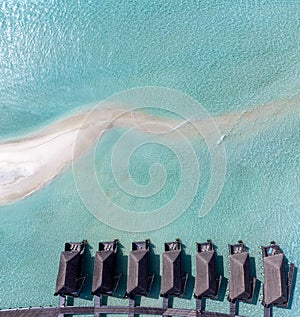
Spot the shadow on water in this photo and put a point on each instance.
(170, 301)
(293, 287)
(88, 269)
(122, 265)
(293, 282)
(258, 282)
(220, 272)
(70, 301)
(104, 301)
(187, 269)
(154, 269)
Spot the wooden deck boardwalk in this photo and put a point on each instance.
(118, 310)
(232, 309)
(267, 312)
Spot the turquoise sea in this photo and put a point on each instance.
(57, 57)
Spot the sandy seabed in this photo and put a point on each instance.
(29, 163)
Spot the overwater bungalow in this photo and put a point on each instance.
(277, 284)
(104, 278)
(70, 279)
(207, 280)
(173, 283)
(241, 285)
(138, 279)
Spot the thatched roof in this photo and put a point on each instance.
(206, 278)
(275, 286)
(104, 272)
(68, 274)
(171, 273)
(137, 278)
(240, 283)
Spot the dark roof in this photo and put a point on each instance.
(240, 282)
(68, 274)
(275, 286)
(70, 269)
(172, 283)
(104, 269)
(138, 262)
(206, 277)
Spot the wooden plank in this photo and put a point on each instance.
(232, 309)
(165, 302)
(131, 307)
(198, 304)
(97, 303)
(267, 311)
(117, 310)
(62, 301)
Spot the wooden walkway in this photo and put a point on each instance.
(232, 309)
(267, 312)
(118, 310)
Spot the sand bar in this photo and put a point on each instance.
(29, 163)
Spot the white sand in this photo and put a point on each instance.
(27, 164)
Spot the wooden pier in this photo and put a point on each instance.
(233, 309)
(118, 310)
(267, 312)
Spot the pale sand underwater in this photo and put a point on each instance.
(27, 164)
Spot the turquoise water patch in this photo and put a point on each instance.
(256, 205)
(56, 58)
(141, 171)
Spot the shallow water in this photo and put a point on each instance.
(57, 57)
